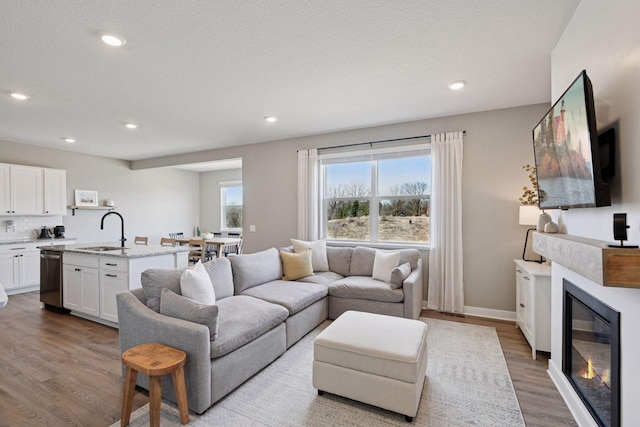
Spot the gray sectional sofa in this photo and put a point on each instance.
(259, 316)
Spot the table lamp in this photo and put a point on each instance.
(529, 216)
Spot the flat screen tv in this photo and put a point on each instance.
(565, 145)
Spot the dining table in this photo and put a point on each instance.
(221, 242)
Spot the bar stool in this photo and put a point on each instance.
(154, 360)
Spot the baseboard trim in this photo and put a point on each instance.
(488, 313)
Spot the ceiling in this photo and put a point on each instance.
(198, 75)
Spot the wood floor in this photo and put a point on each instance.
(60, 370)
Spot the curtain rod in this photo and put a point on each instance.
(377, 142)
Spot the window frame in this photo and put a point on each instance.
(224, 185)
(373, 156)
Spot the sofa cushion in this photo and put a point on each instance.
(362, 261)
(383, 265)
(196, 285)
(399, 274)
(339, 259)
(154, 280)
(255, 269)
(219, 271)
(294, 296)
(361, 287)
(174, 305)
(296, 265)
(242, 319)
(363, 258)
(322, 278)
(318, 252)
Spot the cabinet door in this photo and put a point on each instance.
(9, 271)
(27, 190)
(55, 192)
(81, 289)
(29, 268)
(5, 189)
(111, 282)
(528, 312)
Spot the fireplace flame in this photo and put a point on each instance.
(589, 372)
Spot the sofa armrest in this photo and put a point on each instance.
(139, 324)
(412, 287)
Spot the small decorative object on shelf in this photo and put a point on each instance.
(86, 198)
(620, 231)
(551, 227)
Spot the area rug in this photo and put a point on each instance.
(467, 384)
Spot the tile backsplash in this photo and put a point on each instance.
(26, 226)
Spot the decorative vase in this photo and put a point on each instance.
(551, 227)
(543, 220)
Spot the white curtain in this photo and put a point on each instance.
(446, 290)
(308, 194)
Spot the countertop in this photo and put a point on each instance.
(34, 240)
(129, 251)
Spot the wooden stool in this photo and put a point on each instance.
(154, 360)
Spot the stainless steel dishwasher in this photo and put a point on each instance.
(51, 278)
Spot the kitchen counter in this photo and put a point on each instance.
(129, 251)
(35, 240)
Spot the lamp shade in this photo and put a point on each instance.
(529, 215)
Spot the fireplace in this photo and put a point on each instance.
(591, 353)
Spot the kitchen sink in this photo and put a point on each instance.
(102, 248)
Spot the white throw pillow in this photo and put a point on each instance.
(318, 252)
(196, 285)
(383, 265)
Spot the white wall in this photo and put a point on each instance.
(210, 209)
(603, 38)
(496, 146)
(153, 202)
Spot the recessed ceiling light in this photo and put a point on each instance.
(69, 140)
(271, 119)
(131, 126)
(457, 85)
(19, 96)
(111, 39)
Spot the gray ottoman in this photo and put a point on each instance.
(372, 358)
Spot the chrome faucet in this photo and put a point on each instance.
(122, 239)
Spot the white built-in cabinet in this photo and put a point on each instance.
(28, 190)
(533, 304)
(91, 282)
(19, 267)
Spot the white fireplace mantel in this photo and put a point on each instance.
(593, 259)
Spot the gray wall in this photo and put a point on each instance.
(153, 202)
(496, 146)
(210, 197)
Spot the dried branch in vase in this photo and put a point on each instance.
(530, 195)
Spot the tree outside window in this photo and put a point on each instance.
(231, 203)
(398, 184)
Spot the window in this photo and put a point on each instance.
(231, 203)
(380, 195)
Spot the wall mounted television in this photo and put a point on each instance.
(567, 155)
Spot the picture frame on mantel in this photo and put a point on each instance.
(86, 198)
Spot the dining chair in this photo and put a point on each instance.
(197, 251)
(210, 251)
(217, 234)
(176, 235)
(166, 241)
(140, 240)
(235, 249)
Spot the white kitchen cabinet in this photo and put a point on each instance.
(19, 268)
(533, 304)
(81, 284)
(91, 282)
(28, 190)
(113, 279)
(55, 192)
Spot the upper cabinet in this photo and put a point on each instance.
(28, 190)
